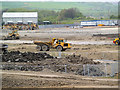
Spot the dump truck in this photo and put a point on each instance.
(58, 44)
(12, 36)
(116, 41)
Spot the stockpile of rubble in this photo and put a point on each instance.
(40, 61)
(78, 59)
(16, 56)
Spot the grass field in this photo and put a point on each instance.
(96, 9)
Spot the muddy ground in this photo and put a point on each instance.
(49, 79)
(91, 51)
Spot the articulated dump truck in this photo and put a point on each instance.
(58, 44)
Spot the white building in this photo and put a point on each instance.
(20, 17)
(97, 22)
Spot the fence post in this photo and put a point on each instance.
(65, 68)
(59, 54)
(43, 67)
(105, 69)
(88, 70)
(84, 69)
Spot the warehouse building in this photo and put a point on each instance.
(20, 17)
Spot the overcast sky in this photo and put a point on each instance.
(69, 0)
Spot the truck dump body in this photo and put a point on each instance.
(41, 43)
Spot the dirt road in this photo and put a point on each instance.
(50, 79)
(72, 42)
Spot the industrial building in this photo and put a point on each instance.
(97, 22)
(20, 17)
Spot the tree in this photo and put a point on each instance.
(69, 13)
(113, 17)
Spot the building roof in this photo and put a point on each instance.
(20, 14)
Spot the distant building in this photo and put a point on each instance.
(20, 17)
(46, 22)
(97, 22)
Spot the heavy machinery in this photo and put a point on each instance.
(20, 26)
(12, 36)
(58, 44)
(101, 25)
(116, 41)
(34, 26)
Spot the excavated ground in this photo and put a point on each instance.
(29, 61)
(23, 65)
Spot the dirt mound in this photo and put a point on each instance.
(29, 61)
(16, 56)
(44, 58)
(78, 59)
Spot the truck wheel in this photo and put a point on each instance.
(117, 42)
(9, 38)
(45, 48)
(17, 37)
(39, 47)
(59, 48)
(14, 38)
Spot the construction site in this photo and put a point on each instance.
(81, 57)
(65, 47)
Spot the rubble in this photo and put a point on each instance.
(17, 56)
(40, 61)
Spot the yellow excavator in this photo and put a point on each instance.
(58, 44)
(12, 36)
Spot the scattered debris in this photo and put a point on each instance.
(29, 61)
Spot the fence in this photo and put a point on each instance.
(99, 70)
(56, 25)
(97, 22)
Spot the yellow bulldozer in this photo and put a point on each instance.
(58, 44)
(12, 36)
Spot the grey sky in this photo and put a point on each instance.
(69, 0)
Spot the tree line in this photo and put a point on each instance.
(51, 15)
(56, 17)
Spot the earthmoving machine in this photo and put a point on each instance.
(20, 26)
(34, 26)
(116, 41)
(12, 36)
(58, 44)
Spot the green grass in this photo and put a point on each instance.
(96, 9)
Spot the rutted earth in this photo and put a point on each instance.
(54, 80)
(89, 44)
(36, 61)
